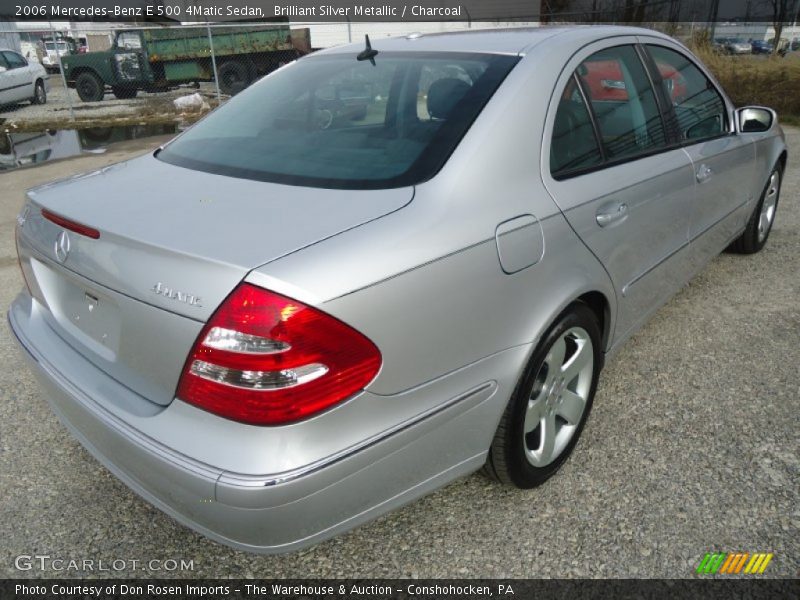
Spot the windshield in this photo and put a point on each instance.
(52, 46)
(333, 121)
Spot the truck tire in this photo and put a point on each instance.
(89, 86)
(123, 93)
(234, 76)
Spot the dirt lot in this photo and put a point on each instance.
(692, 447)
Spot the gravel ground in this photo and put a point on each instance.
(692, 447)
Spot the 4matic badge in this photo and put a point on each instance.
(173, 294)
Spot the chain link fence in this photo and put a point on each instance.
(108, 74)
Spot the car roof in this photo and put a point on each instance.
(509, 40)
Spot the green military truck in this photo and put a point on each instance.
(158, 59)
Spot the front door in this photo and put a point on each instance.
(723, 161)
(128, 58)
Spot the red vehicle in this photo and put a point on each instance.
(606, 82)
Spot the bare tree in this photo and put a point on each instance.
(781, 13)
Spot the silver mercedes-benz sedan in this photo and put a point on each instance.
(381, 268)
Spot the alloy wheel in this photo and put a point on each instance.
(559, 397)
(768, 206)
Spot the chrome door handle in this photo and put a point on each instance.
(611, 214)
(704, 173)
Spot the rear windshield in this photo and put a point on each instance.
(333, 121)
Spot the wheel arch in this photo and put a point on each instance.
(601, 307)
(77, 71)
(598, 303)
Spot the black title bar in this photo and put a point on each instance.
(574, 11)
(400, 589)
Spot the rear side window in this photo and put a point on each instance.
(698, 106)
(623, 102)
(574, 144)
(333, 121)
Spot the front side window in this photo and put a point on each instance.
(699, 108)
(129, 40)
(14, 60)
(333, 121)
(623, 102)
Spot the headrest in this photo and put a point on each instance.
(443, 95)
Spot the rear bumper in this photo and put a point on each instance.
(283, 511)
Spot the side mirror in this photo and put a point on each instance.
(755, 119)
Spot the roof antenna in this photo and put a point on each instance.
(367, 53)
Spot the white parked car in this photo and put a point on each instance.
(21, 80)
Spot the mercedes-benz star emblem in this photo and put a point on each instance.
(62, 246)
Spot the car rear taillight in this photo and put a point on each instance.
(266, 359)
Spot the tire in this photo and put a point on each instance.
(234, 76)
(39, 93)
(89, 87)
(123, 93)
(547, 400)
(756, 232)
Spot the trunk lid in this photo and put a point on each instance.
(173, 244)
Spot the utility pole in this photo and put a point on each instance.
(61, 70)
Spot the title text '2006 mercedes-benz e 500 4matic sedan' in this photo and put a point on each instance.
(381, 268)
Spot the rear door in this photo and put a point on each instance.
(623, 185)
(723, 161)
